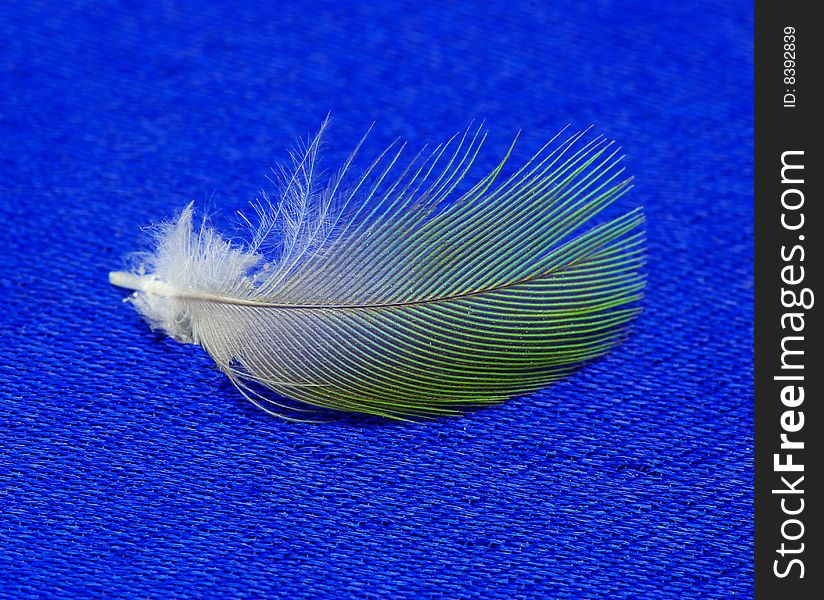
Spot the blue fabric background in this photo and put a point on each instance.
(130, 467)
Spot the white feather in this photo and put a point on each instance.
(396, 298)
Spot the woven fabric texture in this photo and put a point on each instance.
(130, 467)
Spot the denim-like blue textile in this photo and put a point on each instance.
(130, 467)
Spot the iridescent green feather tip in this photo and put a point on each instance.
(406, 292)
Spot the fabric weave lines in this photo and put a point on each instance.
(130, 467)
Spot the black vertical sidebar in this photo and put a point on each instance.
(789, 299)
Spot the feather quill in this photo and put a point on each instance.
(395, 294)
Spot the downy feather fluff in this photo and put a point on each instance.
(396, 295)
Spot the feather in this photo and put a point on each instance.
(399, 295)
